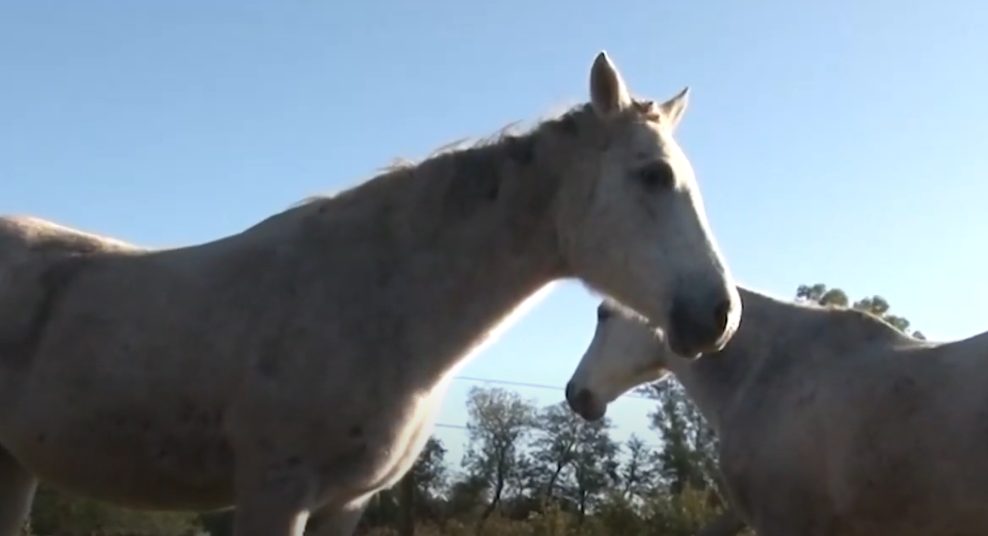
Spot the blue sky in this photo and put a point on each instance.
(842, 142)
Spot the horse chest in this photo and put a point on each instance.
(405, 452)
(399, 438)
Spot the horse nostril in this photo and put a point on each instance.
(580, 400)
(583, 401)
(722, 314)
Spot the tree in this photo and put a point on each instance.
(639, 473)
(820, 294)
(689, 446)
(594, 464)
(466, 496)
(572, 455)
(499, 422)
(554, 447)
(423, 486)
(429, 474)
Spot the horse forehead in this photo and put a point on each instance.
(648, 136)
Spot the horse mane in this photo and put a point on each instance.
(857, 324)
(870, 325)
(512, 133)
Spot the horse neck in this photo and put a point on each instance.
(465, 238)
(713, 381)
(772, 336)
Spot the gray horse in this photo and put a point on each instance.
(295, 367)
(831, 422)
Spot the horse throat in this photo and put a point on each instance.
(713, 381)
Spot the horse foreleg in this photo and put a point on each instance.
(17, 487)
(268, 515)
(336, 521)
(271, 507)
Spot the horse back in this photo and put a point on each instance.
(36, 255)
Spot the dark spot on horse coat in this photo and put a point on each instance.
(356, 431)
(267, 365)
(907, 394)
(191, 415)
(41, 438)
(54, 280)
(345, 462)
(187, 411)
(475, 183)
(806, 396)
(271, 358)
(167, 447)
(521, 149)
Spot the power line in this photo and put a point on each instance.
(533, 385)
(451, 426)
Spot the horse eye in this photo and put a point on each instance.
(657, 175)
(603, 314)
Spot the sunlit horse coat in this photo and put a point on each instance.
(294, 367)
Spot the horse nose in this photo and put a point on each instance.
(583, 402)
(695, 329)
(722, 315)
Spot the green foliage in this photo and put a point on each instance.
(499, 423)
(594, 464)
(681, 514)
(619, 515)
(57, 513)
(466, 497)
(689, 454)
(568, 477)
(820, 294)
(640, 470)
(429, 470)
(553, 449)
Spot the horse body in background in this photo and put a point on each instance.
(830, 421)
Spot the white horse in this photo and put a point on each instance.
(295, 367)
(830, 421)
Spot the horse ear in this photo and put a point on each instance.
(608, 92)
(672, 109)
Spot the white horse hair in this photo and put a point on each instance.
(295, 367)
